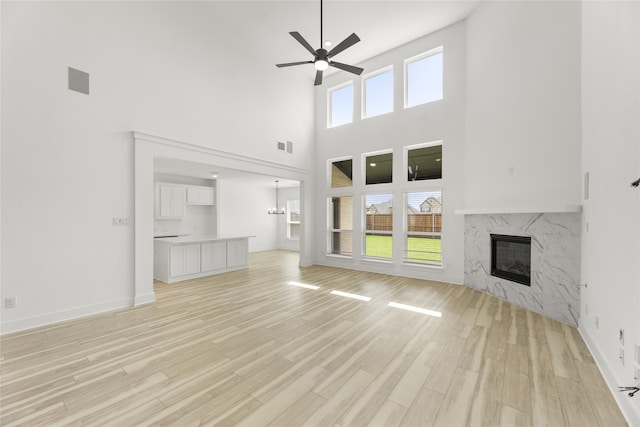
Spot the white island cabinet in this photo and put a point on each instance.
(182, 258)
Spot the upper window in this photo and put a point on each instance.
(423, 78)
(378, 93)
(341, 105)
(424, 161)
(378, 168)
(341, 173)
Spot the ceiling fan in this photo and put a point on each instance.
(322, 57)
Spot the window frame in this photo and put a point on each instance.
(363, 208)
(405, 227)
(416, 58)
(363, 95)
(289, 222)
(331, 230)
(329, 180)
(405, 163)
(330, 91)
(364, 166)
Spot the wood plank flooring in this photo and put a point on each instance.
(249, 348)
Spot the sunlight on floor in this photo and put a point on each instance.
(415, 309)
(304, 285)
(348, 295)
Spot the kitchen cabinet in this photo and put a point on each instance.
(214, 256)
(171, 201)
(200, 196)
(184, 259)
(237, 252)
(188, 257)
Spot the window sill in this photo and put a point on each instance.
(330, 255)
(422, 266)
(377, 260)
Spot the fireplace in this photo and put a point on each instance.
(511, 258)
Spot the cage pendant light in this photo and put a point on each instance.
(275, 211)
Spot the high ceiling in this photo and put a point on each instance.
(264, 25)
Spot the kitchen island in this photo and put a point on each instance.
(188, 257)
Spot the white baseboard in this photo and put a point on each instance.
(61, 316)
(630, 411)
(144, 299)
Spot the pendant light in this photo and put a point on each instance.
(275, 211)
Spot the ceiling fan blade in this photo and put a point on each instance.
(348, 42)
(346, 67)
(318, 81)
(291, 64)
(296, 35)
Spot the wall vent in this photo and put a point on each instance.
(78, 81)
(280, 145)
(289, 147)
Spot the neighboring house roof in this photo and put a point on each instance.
(432, 204)
(386, 208)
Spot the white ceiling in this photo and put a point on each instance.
(381, 26)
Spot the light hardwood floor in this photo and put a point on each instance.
(248, 348)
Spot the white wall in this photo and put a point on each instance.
(242, 207)
(439, 120)
(611, 156)
(522, 145)
(166, 68)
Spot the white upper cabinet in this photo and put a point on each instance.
(200, 196)
(171, 203)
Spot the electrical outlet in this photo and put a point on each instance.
(638, 354)
(586, 308)
(621, 357)
(597, 322)
(636, 374)
(11, 302)
(120, 221)
(621, 336)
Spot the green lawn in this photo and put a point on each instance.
(421, 250)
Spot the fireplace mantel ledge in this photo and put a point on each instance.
(519, 210)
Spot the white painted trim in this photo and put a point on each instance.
(630, 412)
(147, 147)
(61, 316)
(144, 299)
(519, 210)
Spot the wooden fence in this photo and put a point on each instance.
(427, 222)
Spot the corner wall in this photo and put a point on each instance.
(522, 142)
(611, 219)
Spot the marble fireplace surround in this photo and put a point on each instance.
(555, 258)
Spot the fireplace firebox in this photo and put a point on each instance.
(511, 258)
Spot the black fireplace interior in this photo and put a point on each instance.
(511, 258)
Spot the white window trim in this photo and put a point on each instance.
(331, 230)
(363, 109)
(431, 52)
(405, 226)
(329, 103)
(405, 164)
(363, 167)
(363, 221)
(330, 176)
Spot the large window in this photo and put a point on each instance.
(378, 214)
(341, 172)
(378, 168)
(341, 105)
(424, 161)
(423, 236)
(378, 93)
(423, 78)
(293, 219)
(340, 218)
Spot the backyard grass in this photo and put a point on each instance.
(420, 249)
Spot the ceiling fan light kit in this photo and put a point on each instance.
(321, 57)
